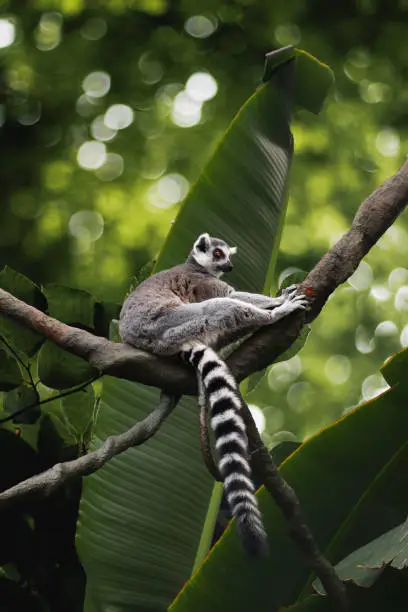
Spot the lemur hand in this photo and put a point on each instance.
(292, 300)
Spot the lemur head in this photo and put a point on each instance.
(212, 254)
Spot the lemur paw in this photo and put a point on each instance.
(294, 301)
(289, 290)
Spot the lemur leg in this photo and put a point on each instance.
(211, 317)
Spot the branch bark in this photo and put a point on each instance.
(47, 482)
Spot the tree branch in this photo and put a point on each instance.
(47, 482)
(373, 218)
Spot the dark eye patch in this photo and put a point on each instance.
(218, 254)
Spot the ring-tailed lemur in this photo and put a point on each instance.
(186, 310)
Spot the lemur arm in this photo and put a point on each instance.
(257, 299)
(262, 301)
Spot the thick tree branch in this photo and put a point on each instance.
(373, 218)
(47, 482)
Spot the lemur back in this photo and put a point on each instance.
(186, 310)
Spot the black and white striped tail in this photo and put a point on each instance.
(222, 393)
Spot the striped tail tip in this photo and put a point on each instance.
(253, 537)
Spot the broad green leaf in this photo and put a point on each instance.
(140, 541)
(281, 451)
(388, 593)
(137, 553)
(10, 373)
(367, 563)
(347, 478)
(71, 306)
(21, 287)
(395, 368)
(19, 399)
(58, 369)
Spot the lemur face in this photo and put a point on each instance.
(213, 254)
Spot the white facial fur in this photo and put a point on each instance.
(203, 254)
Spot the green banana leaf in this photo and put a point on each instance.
(388, 593)
(142, 515)
(348, 479)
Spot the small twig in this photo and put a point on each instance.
(23, 365)
(47, 482)
(286, 499)
(11, 416)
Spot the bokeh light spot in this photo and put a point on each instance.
(48, 31)
(100, 131)
(7, 33)
(397, 277)
(118, 117)
(86, 224)
(200, 26)
(301, 397)
(91, 155)
(388, 142)
(373, 385)
(96, 84)
(380, 293)
(186, 111)
(112, 168)
(364, 342)
(404, 336)
(386, 328)
(338, 369)
(401, 299)
(362, 278)
(201, 86)
(169, 190)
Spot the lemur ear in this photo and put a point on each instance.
(202, 243)
(233, 250)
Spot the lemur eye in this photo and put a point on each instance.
(217, 253)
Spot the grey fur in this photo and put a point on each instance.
(187, 310)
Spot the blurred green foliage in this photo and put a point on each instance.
(95, 159)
